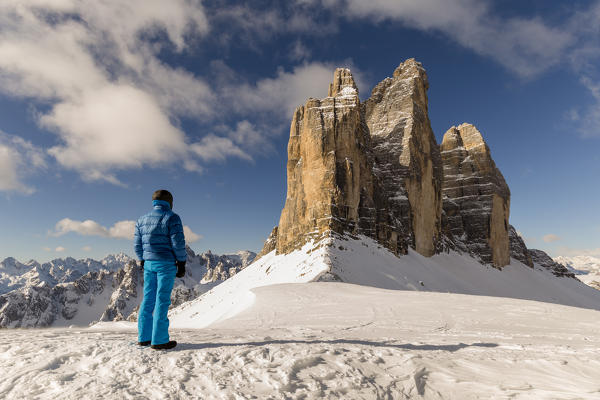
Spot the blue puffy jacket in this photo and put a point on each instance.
(159, 235)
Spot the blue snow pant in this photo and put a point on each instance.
(153, 323)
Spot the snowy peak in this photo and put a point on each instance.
(79, 292)
(343, 84)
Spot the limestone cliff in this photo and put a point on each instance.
(544, 260)
(476, 197)
(374, 168)
(328, 170)
(518, 250)
(407, 157)
(371, 168)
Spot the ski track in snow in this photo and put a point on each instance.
(325, 340)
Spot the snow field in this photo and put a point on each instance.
(325, 340)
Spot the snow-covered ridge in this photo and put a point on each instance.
(365, 262)
(79, 292)
(14, 274)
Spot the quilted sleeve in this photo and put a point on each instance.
(177, 238)
(137, 242)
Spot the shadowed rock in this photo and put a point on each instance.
(407, 157)
(476, 196)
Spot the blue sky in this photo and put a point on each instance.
(101, 103)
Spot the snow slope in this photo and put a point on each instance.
(363, 261)
(586, 268)
(325, 340)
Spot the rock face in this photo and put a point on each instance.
(270, 244)
(476, 197)
(375, 169)
(518, 250)
(371, 168)
(407, 157)
(328, 170)
(544, 260)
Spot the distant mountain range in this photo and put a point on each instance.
(585, 268)
(67, 291)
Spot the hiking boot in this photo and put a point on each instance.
(146, 343)
(165, 346)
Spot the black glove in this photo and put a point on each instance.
(180, 269)
(142, 264)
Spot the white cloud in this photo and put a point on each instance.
(86, 248)
(112, 101)
(250, 25)
(86, 228)
(549, 238)
(120, 230)
(18, 158)
(288, 89)
(216, 148)
(123, 121)
(190, 236)
(526, 46)
(46, 249)
(299, 51)
(59, 249)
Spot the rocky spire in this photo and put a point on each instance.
(476, 196)
(328, 171)
(518, 250)
(376, 169)
(343, 83)
(407, 158)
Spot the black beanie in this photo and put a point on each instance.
(163, 195)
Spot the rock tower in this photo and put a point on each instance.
(375, 169)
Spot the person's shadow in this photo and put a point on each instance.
(404, 346)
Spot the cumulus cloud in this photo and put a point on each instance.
(213, 147)
(287, 89)
(114, 104)
(549, 238)
(120, 230)
(60, 249)
(190, 236)
(112, 101)
(526, 46)
(251, 25)
(18, 158)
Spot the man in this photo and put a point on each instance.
(160, 246)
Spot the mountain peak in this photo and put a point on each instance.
(375, 168)
(343, 84)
